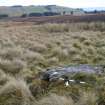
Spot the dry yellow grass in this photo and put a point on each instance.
(54, 99)
(15, 92)
(28, 49)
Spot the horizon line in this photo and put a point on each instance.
(50, 5)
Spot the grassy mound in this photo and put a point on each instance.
(15, 92)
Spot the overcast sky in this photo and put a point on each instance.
(68, 3)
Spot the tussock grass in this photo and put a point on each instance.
(3, 78)
(15, 92)
(27, 50)
(62, 54)
(10, 53)
(41, 48)
(55, 28)
(53, 61)
(13, 67)
(30, 56)
(54, 99)
(89, 98)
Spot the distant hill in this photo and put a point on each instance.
(94, 8)
(19, 10)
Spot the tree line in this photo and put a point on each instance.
(40, 14)
(36, 14)
(32, 14)
(3, 16)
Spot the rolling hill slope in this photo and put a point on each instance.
(19, 10)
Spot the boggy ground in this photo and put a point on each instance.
(26, 50)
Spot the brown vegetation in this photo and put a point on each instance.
(27, 49)
(62, 18)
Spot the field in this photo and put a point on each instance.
(27, 49)
(61, 18)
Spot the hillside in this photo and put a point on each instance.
(19, 10)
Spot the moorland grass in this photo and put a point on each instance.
(26, 50)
